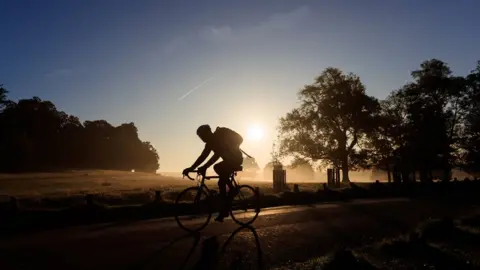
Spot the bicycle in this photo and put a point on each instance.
(203, 202)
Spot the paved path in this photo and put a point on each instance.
(284, 234)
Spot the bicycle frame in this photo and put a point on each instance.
(201, 181)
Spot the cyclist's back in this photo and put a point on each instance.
(226, 143)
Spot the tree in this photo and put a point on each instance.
(383, 142)
(434, 113)
(250, 168)
(333, 120)
(268, 169)
(3, 97)
(438, 96)
(300, 169)
(422, 124)
(470, 141)
(250, 164)
(35, 136)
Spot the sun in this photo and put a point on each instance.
(255, 133)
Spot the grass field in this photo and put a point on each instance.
(110, 187)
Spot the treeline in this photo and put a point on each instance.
(421, 131)
(35, 136)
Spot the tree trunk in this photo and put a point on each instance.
(405, 176)
(388, 174)
(447, 174)
(345, 178)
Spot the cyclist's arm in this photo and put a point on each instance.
(212, 160)
(206, 151)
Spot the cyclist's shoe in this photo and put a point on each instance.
(220, 217)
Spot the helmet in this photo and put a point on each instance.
(203, 130)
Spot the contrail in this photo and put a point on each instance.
(196, 87)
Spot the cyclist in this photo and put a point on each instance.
(225, 143)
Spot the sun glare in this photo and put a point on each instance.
(255, 133)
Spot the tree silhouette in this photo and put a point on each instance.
(250, 168)
(470, 141)
(250, 164)
(3, 97)
(268, 169)
(425, 119)
(35, 136)
(434, 101)
(386, 140)
(300, 169)
(334, 118)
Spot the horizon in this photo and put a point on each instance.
(164, 66)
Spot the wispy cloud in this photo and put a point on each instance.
(274, 24)
(173, 45)
(216, 33)
(58, 73)
(196, 87)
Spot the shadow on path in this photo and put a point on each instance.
(212, 255)
(239, 262)
(153, 261)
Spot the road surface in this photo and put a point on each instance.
(285, 234)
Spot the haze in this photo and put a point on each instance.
(172, 66)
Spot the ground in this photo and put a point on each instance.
(358, 234)
(291, 237)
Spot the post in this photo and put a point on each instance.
(13, 204)
(279, 178)
(158, 197)
(337, 177)
(89, 199)
(330, 179)
(257, 197)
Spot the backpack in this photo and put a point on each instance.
(229, 136)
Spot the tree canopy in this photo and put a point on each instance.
(430, 124)
(334, 117)
(250, 164)
(35, 136)
(300, 170)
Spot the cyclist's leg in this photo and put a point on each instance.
(222, 183)
(232, 190)
(221, 169)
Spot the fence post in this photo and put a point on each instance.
(337, 177)
(158, 196)
(330, 179)
(14, 204)
(257, 197)
(279, 178)
(89, 199)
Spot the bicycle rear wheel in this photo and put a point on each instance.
(245, 205)
(194, 209)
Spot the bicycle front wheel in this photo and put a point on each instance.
(194, 209)
(245, 205)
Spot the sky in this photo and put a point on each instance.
(170, 66)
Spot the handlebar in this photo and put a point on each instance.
(189, 177)
(195, 171)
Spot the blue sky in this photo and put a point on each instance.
(126, 61)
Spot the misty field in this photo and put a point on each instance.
(54, 190)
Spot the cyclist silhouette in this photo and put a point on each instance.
(225, 143)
